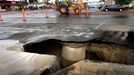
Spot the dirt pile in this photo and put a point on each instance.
(111, 53)
(87, 67)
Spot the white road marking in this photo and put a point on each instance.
(101, 24)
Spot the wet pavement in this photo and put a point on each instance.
(62, 27)
(46, 35)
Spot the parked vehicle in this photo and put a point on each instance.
(112, 8)
(102, 7)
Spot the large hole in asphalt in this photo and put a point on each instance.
(51, 47)
(44, 47)
(100, 49)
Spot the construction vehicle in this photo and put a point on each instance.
(66, 6)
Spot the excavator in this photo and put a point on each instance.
(68, 6)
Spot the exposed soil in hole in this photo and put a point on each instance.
(94, 56)
(108, 52)
(98, 49)
(112, 53)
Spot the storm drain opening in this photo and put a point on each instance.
(107, 48)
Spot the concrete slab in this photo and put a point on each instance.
(87, 67)
(22, 63)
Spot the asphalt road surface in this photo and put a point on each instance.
(64, 27)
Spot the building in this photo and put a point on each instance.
(6, 5)
(95, 4)
(109, 2)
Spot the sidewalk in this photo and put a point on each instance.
(8, 12)
(131, 10)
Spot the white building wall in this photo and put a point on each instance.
(132, 3)
(109, 2)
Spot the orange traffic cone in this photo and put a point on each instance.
(41, 10)
(23, 15)
(87, 10)
(47, 13)
(27, 13)
(1, 19)
(35, 11)
(23, 11)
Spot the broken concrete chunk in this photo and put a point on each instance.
(87, 67)
(13, 45)
(22, 63)
(115, 36)
(101, 68)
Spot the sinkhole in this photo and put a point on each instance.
(112, 46)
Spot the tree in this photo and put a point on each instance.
(102, 0)
(33, 1)
(26, 1)
(122, 2)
